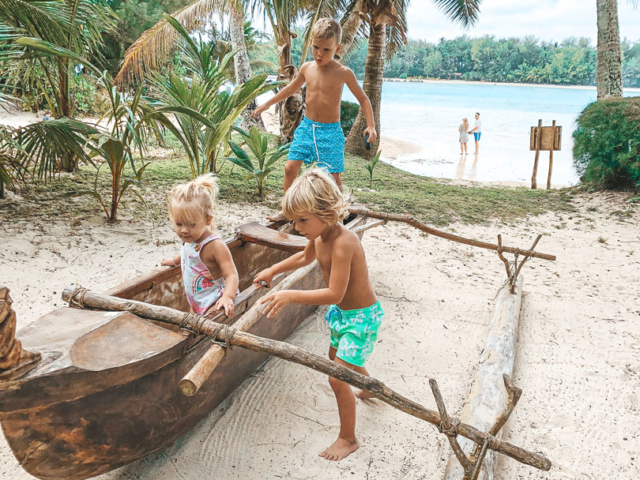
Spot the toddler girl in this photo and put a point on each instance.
(209, 275)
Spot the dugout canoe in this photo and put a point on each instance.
(105, 391)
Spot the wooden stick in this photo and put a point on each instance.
(445, 426)
(534, 183)
(414, 222)
(82, 298)
(202, 370)
(553, 144)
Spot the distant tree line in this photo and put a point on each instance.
(512, 60)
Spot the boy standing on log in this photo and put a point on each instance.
(317, 206)
(319, 137)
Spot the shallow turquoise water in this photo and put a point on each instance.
(429, 114)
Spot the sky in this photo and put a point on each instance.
(546, 19)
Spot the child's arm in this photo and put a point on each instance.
(219, 252)
(283, 94)
(341, 258)
(365, 105)
(294, 262)
(171, 262)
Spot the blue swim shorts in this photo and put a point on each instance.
(354, 332)
(476, 136)
(322, 142)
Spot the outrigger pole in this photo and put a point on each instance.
(452, 427)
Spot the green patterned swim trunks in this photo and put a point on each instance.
(353, 332)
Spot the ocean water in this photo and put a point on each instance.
(428, 114)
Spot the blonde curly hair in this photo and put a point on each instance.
(196, 198)
(315, 192)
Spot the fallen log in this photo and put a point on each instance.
(493, 396)
(414, 222)
(81, 298)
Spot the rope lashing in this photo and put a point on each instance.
(196, 324)
(77, 297)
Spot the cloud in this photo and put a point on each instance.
(545, 19)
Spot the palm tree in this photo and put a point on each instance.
(204, 112)
(382, 17)
(609, 72)
(74, 25)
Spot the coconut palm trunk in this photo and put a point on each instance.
(241, 62)
(350, 27)
(373, 68)
(609, 73)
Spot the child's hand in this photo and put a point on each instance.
(277, 301)
(225, 303)
(264, 276)
(371, 131)
(169, 262)
(258, 111)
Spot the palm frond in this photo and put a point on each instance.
(48, 20)
(45, 144)
(465, 12)
(154, 47)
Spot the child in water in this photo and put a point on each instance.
(209, 275)
(317, 206)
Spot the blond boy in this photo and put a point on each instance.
(319, 136)
(317, 206)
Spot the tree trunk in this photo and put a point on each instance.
(291, 110)
(609, 73)
(69, 164)
(241, 59)
(350, 28)
(373, 70)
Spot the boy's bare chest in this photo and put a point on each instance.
(326, 83)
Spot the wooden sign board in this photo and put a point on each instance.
(550, 136)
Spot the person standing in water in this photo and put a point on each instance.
(477, 132)
(464, 135)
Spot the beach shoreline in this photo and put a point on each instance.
(501, 84)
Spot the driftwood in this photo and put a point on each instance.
(14, 361)
(514, 273)
(414, 222)
(82, 298)
(202, 370)
(489, 405)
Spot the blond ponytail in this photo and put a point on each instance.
(200, 194)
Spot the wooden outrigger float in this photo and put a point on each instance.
(105, 392)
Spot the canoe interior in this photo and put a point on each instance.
(106, 392)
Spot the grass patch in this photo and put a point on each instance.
(437, 202)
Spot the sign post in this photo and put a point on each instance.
(544, 138)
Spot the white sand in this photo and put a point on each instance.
(578, 358)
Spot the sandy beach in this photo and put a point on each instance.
(577, 359)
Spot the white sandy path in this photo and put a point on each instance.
(578, 357)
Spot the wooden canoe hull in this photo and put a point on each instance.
(111, 428)
(106, 391)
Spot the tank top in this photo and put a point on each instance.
(201, 289)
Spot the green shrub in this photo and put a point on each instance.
(606, 149)
(348, 114)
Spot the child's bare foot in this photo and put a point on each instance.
(364, 395)
(340, 449)
(278, 217)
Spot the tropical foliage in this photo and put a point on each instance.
(513, 60)
(370, 167)
(205, 107)
(72, 25)
(606, 148)
(122, 143)
(265, 159)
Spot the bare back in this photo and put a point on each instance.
(324, 90)
(359, 293)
